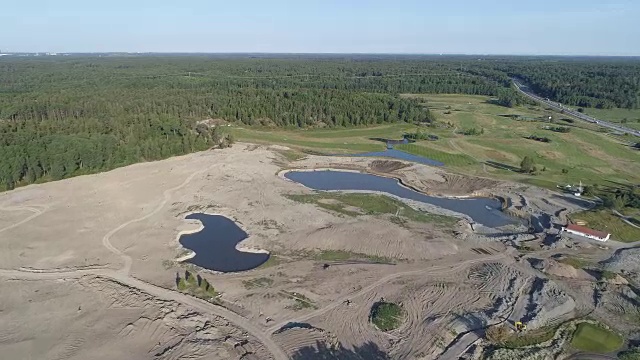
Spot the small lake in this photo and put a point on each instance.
(397, 154)
(485, 211)
(215, 245)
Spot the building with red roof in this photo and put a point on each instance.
(586, 232)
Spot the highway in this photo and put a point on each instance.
(524, 89)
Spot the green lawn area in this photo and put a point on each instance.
(356, 204)
(387, 316)
(617, 115)
(604, 220)
(423, 149)
(593, 338)
(584, 154)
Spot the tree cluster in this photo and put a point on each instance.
(584, 82)
(538, 138)
(65, 116)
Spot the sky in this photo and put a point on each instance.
(531, 27)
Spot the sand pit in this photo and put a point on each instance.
(94, 318)
(88, 266)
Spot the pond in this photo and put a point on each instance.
(215, 245)
(485, 211)
(401, 155)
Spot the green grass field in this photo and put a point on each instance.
(593, 338)
(604, 220)
(627, 117)
(584, 154)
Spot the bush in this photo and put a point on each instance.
(497, 333)
(386, 316)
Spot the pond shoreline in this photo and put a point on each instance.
(419, 205)
(191, 253)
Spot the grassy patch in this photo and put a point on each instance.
(604, 220)
(371, 204)
(626, 117)
(387, 316)
(340, 255)
(300, 301)
(292, 155)
(530, 337)
(575, 262)
(607, 275)
(273, 260)
(593, 338)
(423, 149)
(257, 282)
(583, 154)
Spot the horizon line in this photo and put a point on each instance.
(308, 53)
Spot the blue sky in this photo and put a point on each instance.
(571, 27)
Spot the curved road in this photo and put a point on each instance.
(524, 89)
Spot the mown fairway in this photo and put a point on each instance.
(584, 154)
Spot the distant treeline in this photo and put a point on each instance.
(63, 116)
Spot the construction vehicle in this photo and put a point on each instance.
(520, 326)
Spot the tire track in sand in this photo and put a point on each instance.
(36, 212)
(126, 269)
(436, 270)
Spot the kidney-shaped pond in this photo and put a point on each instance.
(485, 211)
(215, 245)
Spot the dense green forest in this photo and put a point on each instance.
(70, 115)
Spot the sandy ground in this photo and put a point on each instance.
(88, 267)
(94, 318)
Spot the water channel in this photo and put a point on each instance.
(401, 155)
(485, 211)
(215, 245)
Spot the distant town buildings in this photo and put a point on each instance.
(586, 232)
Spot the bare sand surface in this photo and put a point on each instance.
(88, 266)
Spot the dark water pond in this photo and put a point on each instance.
(215, 245)
(482, 210)
(397, 154)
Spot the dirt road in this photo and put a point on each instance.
(436, 270)
(123, 275)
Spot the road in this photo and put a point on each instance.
(526, 91)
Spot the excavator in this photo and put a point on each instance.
(520, 326)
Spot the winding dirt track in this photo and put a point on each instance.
(123, 276)
(436, 270)
(36, 212)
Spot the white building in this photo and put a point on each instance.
(586, 232)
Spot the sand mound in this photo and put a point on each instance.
(561, 270)
(94, 317)
(627, 262)
(460, 184)
(386, 166)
